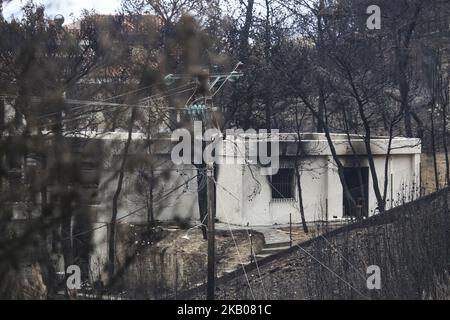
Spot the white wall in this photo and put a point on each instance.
(321, 186)
(244, 195)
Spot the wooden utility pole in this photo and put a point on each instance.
(2, 128)
(211, 287)
(207, 82)
(211, 186)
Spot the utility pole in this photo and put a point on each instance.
(200, 105)
(208, 82)
(2, 128)
(211, 287)
(210, 191)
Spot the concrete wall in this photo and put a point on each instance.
(321, 187)
(244, 194)
(175, 197)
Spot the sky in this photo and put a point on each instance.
(64, 7)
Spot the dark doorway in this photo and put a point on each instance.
(357, 180)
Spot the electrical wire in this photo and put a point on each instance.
(127, 215)
(238, 252)
(84, 116)
(333, 272)
(248, 235)
(99, 102)
(226, 79)
(229, 192)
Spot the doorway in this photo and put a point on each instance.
(357, 180)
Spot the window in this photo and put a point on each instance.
(282, 184)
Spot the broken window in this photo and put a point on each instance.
(282, 184)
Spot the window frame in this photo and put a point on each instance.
(278, 195)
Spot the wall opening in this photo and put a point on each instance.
(282, 184)
(357, 180)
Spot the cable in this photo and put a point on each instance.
(345, 259)
(257, 267)
(201, 224)
(127, 215)
(91, 103)
(142, 100)
(248, 235)
(358, 271)
(239, 254)
(229, 192)
(333, 272)
(226, 79)
(185, 105)
(67, 120)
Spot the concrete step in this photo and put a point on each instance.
(229, 271)
(261, 256)
(270, 244)
(274, 250)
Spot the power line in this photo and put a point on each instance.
(129, 214)
(342, 256)
(238, 252)
(248, 235)
(86, 103)
(89, 114)
(210, 185)
(333, 272)
(229, 192)
(257, 266)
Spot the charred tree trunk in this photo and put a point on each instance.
(245, 33)
(368, 144)
(202, 198)
(321, 58)
(320, 118)
(2, 146)
(62, 196)
(150, 208)
(298, 176)
(300, 197)
(404, 96)
(433, 147)
(444, 132)
(355, 156)
(112, 224)
(268, 100)
(403, 61)
(151, 223)
(244, 57)
(386, 165)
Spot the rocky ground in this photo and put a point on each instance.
(176, 259)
